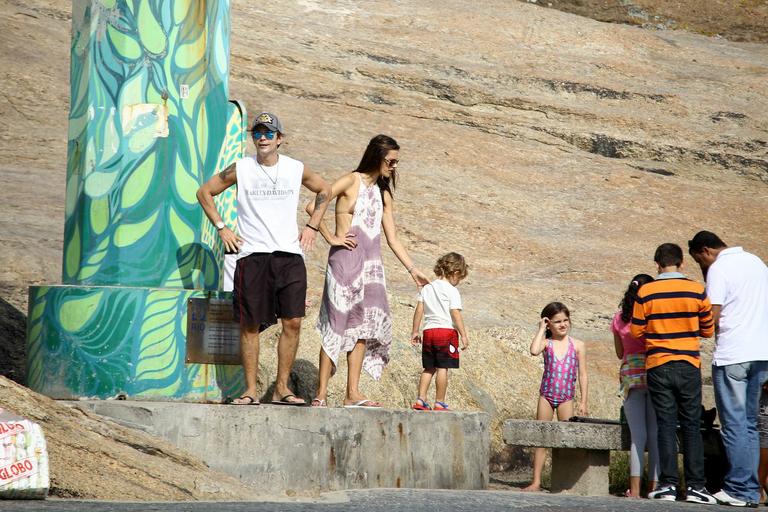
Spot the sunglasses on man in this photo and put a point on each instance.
(268, 135)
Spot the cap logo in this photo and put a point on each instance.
(265, 118)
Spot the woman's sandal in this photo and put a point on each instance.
(421, 405)
(318, 402)
(440, 406)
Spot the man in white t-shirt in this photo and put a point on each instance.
(270, 279)
(737, 286)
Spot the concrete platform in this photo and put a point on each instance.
(281, 448)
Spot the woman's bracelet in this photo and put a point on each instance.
(313, 228)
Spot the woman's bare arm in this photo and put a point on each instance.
(393, 241)
(339, 187)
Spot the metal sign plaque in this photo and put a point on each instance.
(213, 336)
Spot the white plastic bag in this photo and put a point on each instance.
(23, 458)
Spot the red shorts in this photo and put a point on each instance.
(440, 348)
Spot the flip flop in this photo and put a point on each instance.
(364, 404)
(286, 400)
(440, 406)
(318, 402)
(421, 405)
(244, 400)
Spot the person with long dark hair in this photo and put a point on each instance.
(638, 408)
(354, 314)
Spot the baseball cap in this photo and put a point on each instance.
(269, 121)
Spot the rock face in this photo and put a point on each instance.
(738, 21)
(92, 458)
(553, 151)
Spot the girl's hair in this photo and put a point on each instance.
(451, 263)
(551, 310)
(374, 155)
(628, 302)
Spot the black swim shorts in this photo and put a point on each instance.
(269, 286)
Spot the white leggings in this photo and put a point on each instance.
(641, 417)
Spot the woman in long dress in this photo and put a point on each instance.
(354, 314)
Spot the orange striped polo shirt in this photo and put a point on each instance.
(671, 314)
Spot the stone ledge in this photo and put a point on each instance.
(283, 448)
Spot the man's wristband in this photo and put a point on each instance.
(313, 228)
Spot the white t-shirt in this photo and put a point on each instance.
(738, 281)
(267, 198)
(439, 298)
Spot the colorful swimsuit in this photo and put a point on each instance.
(558, 383)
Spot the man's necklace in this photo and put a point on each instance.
(277, 171)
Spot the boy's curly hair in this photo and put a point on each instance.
(451, 263)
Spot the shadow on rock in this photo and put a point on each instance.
(13, 334)
(303, 381)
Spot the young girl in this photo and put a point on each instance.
(638, 408)
(440, 308)
(565, 359)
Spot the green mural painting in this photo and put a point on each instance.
(150, 121)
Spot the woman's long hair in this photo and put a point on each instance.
(374, 155)
(630, 296)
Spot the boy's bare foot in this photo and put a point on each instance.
(532, 488)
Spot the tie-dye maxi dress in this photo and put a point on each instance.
(354, 305)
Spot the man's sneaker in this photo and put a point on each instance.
(699, 496)
(724, 498)
(664, 492)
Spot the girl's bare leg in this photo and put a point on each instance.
(564, 410)
(762, 472)
(545, 412)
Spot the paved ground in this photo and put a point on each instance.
(379, 500)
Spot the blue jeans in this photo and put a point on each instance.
(675, 390)
(737, 394)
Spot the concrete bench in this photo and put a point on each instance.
(580, 451)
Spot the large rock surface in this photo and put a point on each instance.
(92, 458)
(555, 152)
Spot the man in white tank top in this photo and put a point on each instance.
(270, 278)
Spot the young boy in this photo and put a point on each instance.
(440, 308)
(671, 313)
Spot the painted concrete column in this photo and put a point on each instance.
(150, 121)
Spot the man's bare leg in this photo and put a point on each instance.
(286, 355)
(249, 354)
